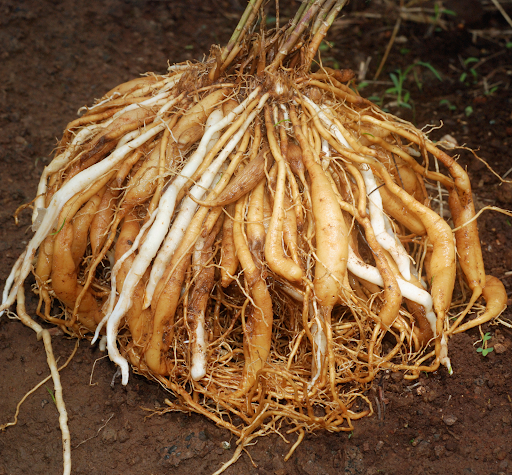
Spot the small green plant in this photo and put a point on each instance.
(483, 348)
(399, 77)
(438, 12)
(402, 95)
(491, 91)
(468, 111)
(428, 66)
(448, 104)
(50, 392)
(398, 91)
(469, 71)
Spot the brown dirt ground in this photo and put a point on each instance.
(59, 55)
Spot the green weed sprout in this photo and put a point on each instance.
(483, 348)
(471, 71)
(399, 77)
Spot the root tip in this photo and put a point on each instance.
(198, 372)
(447, 363)
(125, 371)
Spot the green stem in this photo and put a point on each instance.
(243, 25)
(298, 15)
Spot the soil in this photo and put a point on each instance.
(59, 55)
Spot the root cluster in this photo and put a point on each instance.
(257, 238)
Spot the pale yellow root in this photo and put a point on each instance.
(35, 388)
(495, 296)
(229, 259)
(59, 401)
(258, 329)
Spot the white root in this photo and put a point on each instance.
(328, 124)
(126, 138)
(155, 237)
(198, 344)
(198, 370)
(77, 184)
(11, 278)
(367, 272)
(327, 154)
(408, 290)
(61, 160)
(163, 85)
(138, 93)
(290, 290)
(58, 163)
(208, 140)
(99, 103)
(388, 241)
(320, 340)
(152, 101)
(135, 133)
(102, 345)
(59, 401)
(178, 67)
(109, 304)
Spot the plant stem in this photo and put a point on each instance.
(311, 11)
(324, 25)
(321, 15)
(298, 15)
(243, 25)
